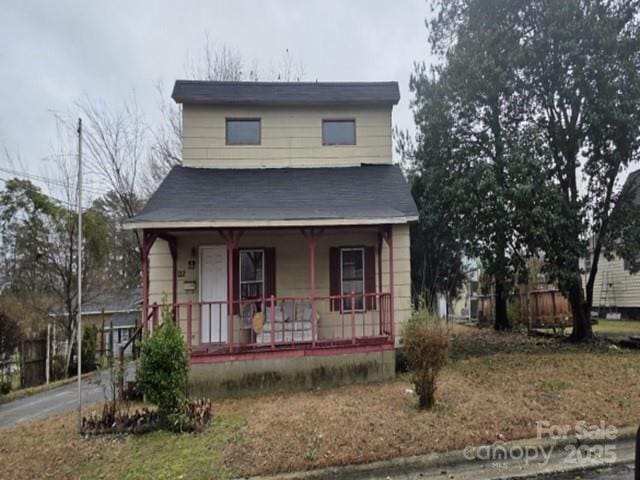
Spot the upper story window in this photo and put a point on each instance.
(339, 132)
(243, 131)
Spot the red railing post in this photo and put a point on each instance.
(272, 309)
(189, 326)
(353, 318)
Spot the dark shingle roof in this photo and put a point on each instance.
(286, 93)
(277, 194)
(112, 300)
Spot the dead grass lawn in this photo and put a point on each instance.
(487, 393)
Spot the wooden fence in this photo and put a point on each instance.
(539, 308)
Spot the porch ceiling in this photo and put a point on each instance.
(282, 197)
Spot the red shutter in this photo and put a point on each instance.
(269, 272)
(334, 276)
(370, 276)
(235, 288)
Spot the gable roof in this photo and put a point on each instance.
(203, 197)
(285, 93)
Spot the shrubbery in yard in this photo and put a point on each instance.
(426, 345)
(89, 348)
(163, 367)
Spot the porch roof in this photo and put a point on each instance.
(201, 197)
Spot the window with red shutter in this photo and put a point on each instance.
(352, 269)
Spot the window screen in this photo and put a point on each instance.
(338, 132)
(243, 131)
(251, 274)
(352, 276)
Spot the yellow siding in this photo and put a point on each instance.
(625, 289)
(292, 270)
(291, 137)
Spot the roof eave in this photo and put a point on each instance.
(324, 222)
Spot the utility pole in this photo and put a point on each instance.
(79, 321)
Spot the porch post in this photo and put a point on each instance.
(173, 249)
(232, 240)
(387, 234)
(148, 239)
(312, 237)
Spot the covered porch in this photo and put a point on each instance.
(272, 291)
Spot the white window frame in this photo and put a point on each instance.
(240, 281)
(364, 303)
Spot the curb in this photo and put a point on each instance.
(415, 464)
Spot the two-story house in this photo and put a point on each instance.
(282, 242)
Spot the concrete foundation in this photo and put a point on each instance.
(241, 377)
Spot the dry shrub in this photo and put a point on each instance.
(194, 416)
(426, 346)
(115, 419)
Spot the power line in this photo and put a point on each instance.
(66, 203)
(46, 180)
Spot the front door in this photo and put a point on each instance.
(213, 288)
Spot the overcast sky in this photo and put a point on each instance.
(53, 53)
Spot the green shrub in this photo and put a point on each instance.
(163, 367)
(58, 371)
(426, 346)
(5, 387)
(89, 348)
(513, 313)
(401, 361)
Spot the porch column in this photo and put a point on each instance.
(387, 234)
(148, 239)
(312, 235)
(173, 249)
(380, 290)
(231, 240)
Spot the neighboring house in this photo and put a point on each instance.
(115, 314)
(282, 242)
(616, 292)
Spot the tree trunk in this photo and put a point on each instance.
(501, 321)
(581, 316)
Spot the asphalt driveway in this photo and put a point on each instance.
(58, 400)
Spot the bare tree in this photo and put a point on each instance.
(116, 146)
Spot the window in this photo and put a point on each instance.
(251, 274)
(338, 132)
(243, 131)
(352, 276)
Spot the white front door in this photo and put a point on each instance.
(213, 287)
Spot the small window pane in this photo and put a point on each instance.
(353, 277)
(251, 273)
(243, 132)
(338, 132)
(251, 262)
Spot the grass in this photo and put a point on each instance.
(497, 386)
(617, 328)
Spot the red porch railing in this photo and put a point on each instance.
(281, 323)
